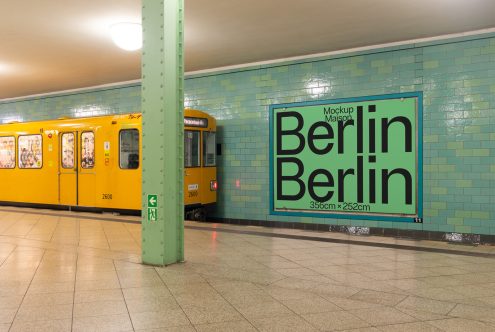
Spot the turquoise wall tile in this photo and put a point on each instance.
(456, 76)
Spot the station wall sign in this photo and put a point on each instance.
(358, 158)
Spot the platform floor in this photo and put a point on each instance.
(62, 271)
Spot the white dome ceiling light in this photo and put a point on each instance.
(127, 36)
(4, 68)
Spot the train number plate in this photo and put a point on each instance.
(192, 187)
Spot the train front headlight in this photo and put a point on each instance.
(213, 185)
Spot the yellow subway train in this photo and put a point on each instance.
(95, 163)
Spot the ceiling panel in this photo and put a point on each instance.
(53, 45)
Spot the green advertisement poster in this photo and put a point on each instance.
(349, 157)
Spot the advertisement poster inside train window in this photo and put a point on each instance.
(30, 151)
(68, 145)
(351, 158)
(7, 152)
(87, 150)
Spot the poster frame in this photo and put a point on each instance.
(353, 215)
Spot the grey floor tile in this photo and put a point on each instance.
(93, 268)
(42, 326)
(437, 293)
(48, 299)
(213, 299)
(102, 308)
(146, 292)
(333, 321)
(408, 283)
(237, 326)
(335, 290)
(51, 287)
(281, 293)
(183, 328)
(171, 277)
(102, 323)
(383, 298)
(296, 272)
(383, 316)
(10, 301)
(85, 275)
(241, 297)
(490, 301)
(151, 304)
(433, 306)
(7, 315)
(51, 277)
(8, 291)
(349, 304)
(85, 285)
(473, 312)
(45, 312)
(140, 281)
(98, 295)
(410, 327)
(461, 325)
(159, 319)
(211, 314)
(422, 315)
(363, 329)
(263, 309)
(473, 290)
(310, 304)
(282, 324)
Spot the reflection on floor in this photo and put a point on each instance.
(65, 271)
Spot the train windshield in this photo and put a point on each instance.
(209, 148)
(191, 148)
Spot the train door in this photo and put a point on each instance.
(209, 175)
(68, 172)
(87, 172)
(192, 167)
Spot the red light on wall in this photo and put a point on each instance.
(238, 183)
(213, 185)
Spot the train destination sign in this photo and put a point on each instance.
(195, 122)
(350, 158)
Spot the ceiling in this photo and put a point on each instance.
(52, 45)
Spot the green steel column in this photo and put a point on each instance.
(163, 131)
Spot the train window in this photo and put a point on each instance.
(30, 151)
(68, 150)
(129, 149)
(191, 148)
(88, 149)
(7, 152)
(209, 147)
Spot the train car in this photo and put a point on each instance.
(95, 163)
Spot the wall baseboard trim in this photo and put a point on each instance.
(459, 238)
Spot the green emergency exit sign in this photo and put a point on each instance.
(152, 207)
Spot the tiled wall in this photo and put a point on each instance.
(456, 76)
(121, 99)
